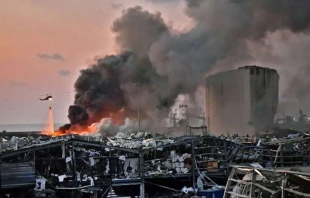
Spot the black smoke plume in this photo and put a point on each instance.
(171, 64)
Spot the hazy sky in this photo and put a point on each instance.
(44, 44)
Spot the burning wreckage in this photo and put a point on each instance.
(132, 164)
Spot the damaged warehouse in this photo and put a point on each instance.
(154, 166)
(91, 166)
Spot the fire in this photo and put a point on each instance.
(49, 128)
(89, 131)
(115, 120)
(76, 129)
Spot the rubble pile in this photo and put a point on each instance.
(16, 143)
(263, 183)
(138, 140)
(173, 164)
(291, 148)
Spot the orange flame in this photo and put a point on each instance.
(117, 117)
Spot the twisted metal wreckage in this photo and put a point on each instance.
(93, 165)
(261, 183)
(286, 173)
(142, 164)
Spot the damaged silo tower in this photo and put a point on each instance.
(242, 101)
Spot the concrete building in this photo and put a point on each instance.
(241, 101)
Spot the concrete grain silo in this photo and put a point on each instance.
(241, 101)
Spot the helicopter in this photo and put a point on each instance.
(48, 97)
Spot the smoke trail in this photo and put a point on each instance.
(169, 64)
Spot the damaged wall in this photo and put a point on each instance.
(241, 101)
(264, 96)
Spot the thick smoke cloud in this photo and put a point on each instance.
(106, 89)
(288, 53)
(138, 29)
(172, 64)
(107, 126)
(98, 88)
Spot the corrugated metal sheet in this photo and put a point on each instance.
(17, 174)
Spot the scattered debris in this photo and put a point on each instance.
(82, 163)
(93, 165)
(263, 183)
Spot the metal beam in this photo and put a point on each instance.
(248, 169)
(193, 166)
(141, 169)
(161, 186)
(30, 149)
(296, 192)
